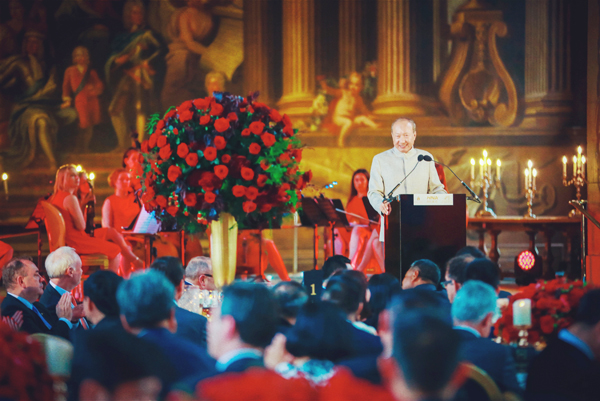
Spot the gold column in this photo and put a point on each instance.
(350, 37)
(395, 92)
(298, 58)
(547, 63)
(257, 48)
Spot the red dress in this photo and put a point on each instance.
(86, 102)
(122, 211)
(79, 239)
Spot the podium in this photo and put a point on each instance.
(424, 227)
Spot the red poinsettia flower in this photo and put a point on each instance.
(265, 208)
(249, 206)
(261, 180)
(190, 199)
(161, 200)
(275, 116)
(268, 139)
(251, 193)
(222, 124)
(202, 104)
(165, 152)
(186, 116)
(238, 191)
(172, 210)
(216, 109)
(192, 159)
(162, 141)
(182, 150)
(204, 119)
(210, 153)
(226, 158)
(210, 197)
(232, 116)
(174, 173)
(257, 127)
(220, 142)
(221, 171)
(247, 173)
(246, 132)
(254, 148)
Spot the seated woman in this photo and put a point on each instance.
(66, 184)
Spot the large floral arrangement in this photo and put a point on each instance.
(553, 307)
(221, 154)
(23, 372)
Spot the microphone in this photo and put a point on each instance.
(420, 158)
(473, 196)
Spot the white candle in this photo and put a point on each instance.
(472, 169)
(5, 180)
(498, 164)
(526, 179)
(489, 167)
(534, 174)
(522, 312)
(565, 167)
(583, 167)
(574, 166)
(481, 168)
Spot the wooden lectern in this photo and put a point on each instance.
(424, 227)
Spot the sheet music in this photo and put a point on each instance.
(146, 223)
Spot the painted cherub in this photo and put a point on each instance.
(348, 110)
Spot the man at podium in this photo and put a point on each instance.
(402, 163)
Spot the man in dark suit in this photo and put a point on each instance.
(473, 311)
(100, 300)
(148, 311)
(190, 325)
(424, 275)
(569, 367)
(64, 270)
(24, 286)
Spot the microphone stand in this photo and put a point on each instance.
(389, 198)
(473, 196)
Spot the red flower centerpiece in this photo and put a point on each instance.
(553, 307)
(221, 154)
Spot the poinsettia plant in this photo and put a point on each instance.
(222, 153)
(553, 307)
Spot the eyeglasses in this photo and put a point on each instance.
(446, 283)
(207, 275)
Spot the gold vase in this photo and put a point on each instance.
(223, 249)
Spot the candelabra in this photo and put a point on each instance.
(530, 176)
(485, 181)
(578, 176)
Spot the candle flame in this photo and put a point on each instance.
(78, 168)
(472, 162)
(564, 159)
(583, 159)
(529, 164)
(579, 149)
(481, 162)
(574, 159)
(526, 172)
(489, 162)
(498, 163)
(92, 176)
(534, 172)
(4, 176)
(522, 304)
(485, 153)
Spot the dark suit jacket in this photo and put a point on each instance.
(191, 326)
(562, 372)
(50, 299)
(31, 321)
(495, 359)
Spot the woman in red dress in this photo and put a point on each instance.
(67, 182)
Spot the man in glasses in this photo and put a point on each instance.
(199, 273)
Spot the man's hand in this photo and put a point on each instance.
(63, 308)
(15, 321)
(385, 208)
(78, 313)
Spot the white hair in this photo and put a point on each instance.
(474, 301)
(60, 260)
(197, 266)
(408, 120)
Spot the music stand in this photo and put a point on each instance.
(335, 218)
(312, 216)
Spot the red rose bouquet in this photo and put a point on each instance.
(553, 307)
(221, 154)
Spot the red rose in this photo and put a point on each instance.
(288, 131)
(226, 158)
(287, 121)
(284, 187)
(249, 206)
(175, 131)
(261, 180)
(155, 167)
(210, 153)
(257, 127)
(160, 125)
(300, 184)
(186, 116)
(185, 105)
(297, 155)
(210, 197)
(275, 116)
(204, 120)
(182, 150)
(268, 139)
(153, 139)
(222, 124)
(207, 180)
(165, 153)
(190, 199)
(161, 141)
(202, 104)
(172, 210)
(174, 173)
(307, 177)
(161, 201)
(238, 191)
(242, 109)
(284, 158)
(192, 159)
(254, 148)
(232, 116)
(221, 171)
(246, 132)
(247, 173)
(265, 208)
(170, 114)
(251, 193)
(145, 148)
(215, 110)
(220, 142)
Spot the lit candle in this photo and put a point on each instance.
(565, 167)
(526, 179)
(481, 168)
(485, 153)
(529, 164)
(472, 169)
(92, 178)
(583, 167)
(5, 180)
(534, 174)
(574, 166)
(78, 168)
(522, 313)
(498, 164)
(489, 165)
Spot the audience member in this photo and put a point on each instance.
(290, 297)
(190, 325)
(424, 275)
(473, 311)
(333, 264)
(24, 286)
(199, 273)
(454, 274)
(569, 367)
(471, 251)
(348, 290)
(485, 270)
(64, 270)
(148, 311)
(381, 288)
(100, 300)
